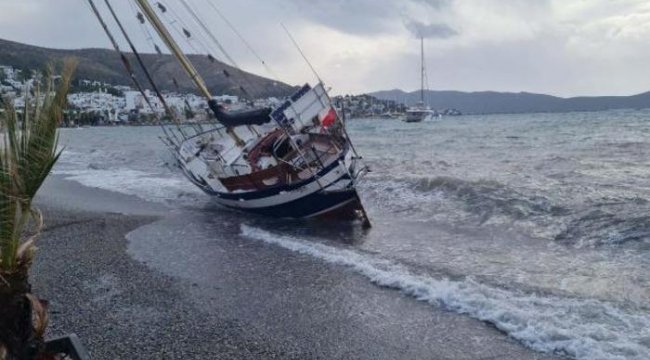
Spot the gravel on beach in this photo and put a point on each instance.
(119, 308)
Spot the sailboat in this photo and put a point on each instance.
(293, 160)
(420, 111)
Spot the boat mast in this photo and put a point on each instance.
(174, 48)
(182, 58)
(422, 69)
(127, 65)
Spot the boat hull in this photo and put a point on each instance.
(413, 119)
(340, 205)
(418, 116)
(329, 193)
(300, 167)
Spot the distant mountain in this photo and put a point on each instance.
(105, 65)
(489, 102)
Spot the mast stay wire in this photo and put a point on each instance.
(201, 23)
(208, 50)
(162, 8)
(231, 61)
(129, 69)
(149, 37)
(295, 43)
(183, 60)
(144, 68)
(187, 35)
(173, 24)
(145, 29)
(243, 40)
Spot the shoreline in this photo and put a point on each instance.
(255, 301)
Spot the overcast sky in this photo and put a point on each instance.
(559, 47)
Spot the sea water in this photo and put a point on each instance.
(536, 223)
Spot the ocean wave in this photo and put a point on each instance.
(599, 227)
(484, 198)
(144, 185)
(580, 328)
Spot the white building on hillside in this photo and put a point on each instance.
(8, 71)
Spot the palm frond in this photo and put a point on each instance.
(28, 152)
(8, 188)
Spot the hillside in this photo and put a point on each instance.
(105, 65)
(489, 102)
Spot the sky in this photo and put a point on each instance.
(558, 47)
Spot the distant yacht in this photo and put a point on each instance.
(420, 111)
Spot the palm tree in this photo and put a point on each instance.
(28, 150)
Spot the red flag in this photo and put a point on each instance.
(329, 118)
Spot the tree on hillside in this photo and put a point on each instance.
(23, 75)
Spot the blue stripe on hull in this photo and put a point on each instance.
(308, 205)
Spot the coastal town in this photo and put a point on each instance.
(94, 102)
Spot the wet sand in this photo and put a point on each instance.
(150, 298)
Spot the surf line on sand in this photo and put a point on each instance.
(580, 328)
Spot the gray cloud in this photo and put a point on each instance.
(360, 17)
(365, 17)
(436, 4)
(430, 31)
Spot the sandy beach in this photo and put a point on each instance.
(257, 302)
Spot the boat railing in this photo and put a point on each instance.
(311, 157)
(217, 129)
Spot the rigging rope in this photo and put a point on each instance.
(182, 32)
(201, 23)
(184, 26)
(144, 29)
(243, 40)
(144, 68)
(129, 69)
(210, 52)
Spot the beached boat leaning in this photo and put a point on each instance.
(293, 160)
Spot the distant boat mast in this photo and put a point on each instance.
(422, 69)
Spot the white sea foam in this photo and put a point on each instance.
(147, 186)
(580, 328)
(73, 160)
